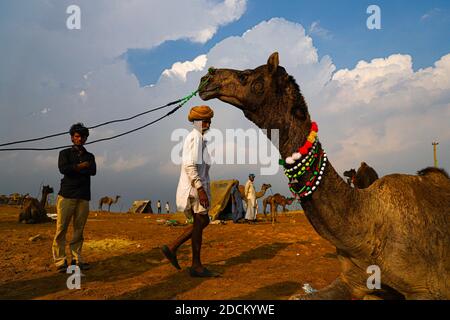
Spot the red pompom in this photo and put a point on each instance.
(314, 127)
(303, 151)
(307, 145)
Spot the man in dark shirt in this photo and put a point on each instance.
(77, 165)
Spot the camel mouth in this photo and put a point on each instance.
(209, 93)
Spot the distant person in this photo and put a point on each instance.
(193, 192)
(237, 208)
(77, 165)
(250, 195)
(158, 205)
(167, 207)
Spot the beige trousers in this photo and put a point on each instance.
(67, 209)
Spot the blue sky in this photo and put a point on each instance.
(419, 28)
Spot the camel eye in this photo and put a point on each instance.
(242, 78)
(258, 87)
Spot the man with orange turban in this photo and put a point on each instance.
(193, 192)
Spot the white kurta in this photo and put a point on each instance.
(250, 195)
(194, 169)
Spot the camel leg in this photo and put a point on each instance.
(352, 282)
(338, 290)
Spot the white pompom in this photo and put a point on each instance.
(289, 160)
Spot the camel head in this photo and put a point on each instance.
(117, 198)
(266, 186)
(350, 173)
(47, 189)
(268, 96)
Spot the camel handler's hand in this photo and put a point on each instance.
(83, 165)
(203, 197)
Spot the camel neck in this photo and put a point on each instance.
(328, 207)
(44, 199)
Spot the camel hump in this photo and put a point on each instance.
(432, 171)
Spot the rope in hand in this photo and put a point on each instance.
(181, 102)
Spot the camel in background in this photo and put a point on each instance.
(108, 201)
(362, 178)
(259, 194)
(275, 201)
(33, 210)
(400, 223)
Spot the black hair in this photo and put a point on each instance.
(80, 129)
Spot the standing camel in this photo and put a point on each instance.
(33, 210)
(259, 194)
(275, 201)
(400, 224)
(108, 201)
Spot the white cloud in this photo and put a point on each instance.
(46, 161)
(316, 29)
(133, 162)
(180, 69)
(430, 14)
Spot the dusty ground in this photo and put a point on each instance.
(257, 261)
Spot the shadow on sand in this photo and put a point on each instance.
(181, 282)
(108, 270)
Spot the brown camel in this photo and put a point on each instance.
(275, 201)
(362, 178)
(33, 210)
(401, 223)
(108, 201)
(259, 194)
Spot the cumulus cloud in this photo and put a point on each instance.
(180, 69)
(317, 30)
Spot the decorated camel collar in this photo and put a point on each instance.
(307, 163)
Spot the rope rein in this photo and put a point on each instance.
(181, 102)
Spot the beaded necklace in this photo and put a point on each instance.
(308, 163)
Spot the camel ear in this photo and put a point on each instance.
(273, 62)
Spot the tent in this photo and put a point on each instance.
(221, 199)
(141, 206)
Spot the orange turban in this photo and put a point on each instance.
(200, 113)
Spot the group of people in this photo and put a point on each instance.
(158, 206)
(193, 195)
(244, 210)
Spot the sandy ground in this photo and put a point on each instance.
(260, 261)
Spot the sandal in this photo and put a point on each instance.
(170, 256)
